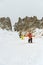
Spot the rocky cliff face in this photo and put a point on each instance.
(5, 23)
(28, 23)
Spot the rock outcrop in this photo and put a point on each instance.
(5, 23)
(28, 23)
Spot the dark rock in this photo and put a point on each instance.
(28, 23)
(5, 23)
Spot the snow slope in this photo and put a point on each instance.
(14, 51)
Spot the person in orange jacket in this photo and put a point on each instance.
(29, 35)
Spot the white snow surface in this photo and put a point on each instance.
(14, 51)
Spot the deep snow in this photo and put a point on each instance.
(14, 51)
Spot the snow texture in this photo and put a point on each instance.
(14, 51)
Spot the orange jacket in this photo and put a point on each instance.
(29, 35)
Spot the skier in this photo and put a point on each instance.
(21, 35)
(29, 35)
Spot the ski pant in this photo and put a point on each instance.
(30, 40)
